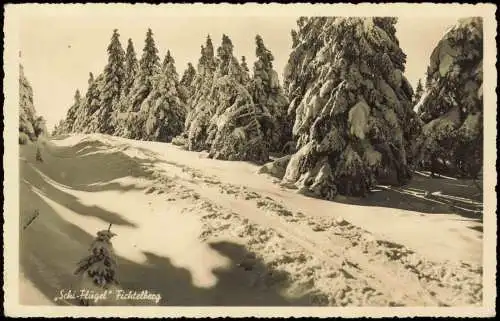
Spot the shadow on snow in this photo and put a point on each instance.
(50, 248)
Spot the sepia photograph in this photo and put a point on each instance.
(256, 159)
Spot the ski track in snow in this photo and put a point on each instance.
(311, 259)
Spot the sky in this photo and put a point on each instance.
(59, 51)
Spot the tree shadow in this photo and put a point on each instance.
(113, 186)
(51, 247)
(478, 228)
(464, 188)
(90, 165)
(251, 282)
(95, 165)
(59, 137)
(425, 195)
(236, 285)
(51, 191)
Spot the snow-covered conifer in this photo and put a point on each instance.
(199, 109)
(268, 96)
(113, 85)
(164, 111)
(419, 91)
(452, 107)
(27, 112)
(131, 67)
(131, 122)
(224, 119)
(354, 122)
(100, 264)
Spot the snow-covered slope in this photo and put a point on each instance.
(201, 231)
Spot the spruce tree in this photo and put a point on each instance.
(354, 123)
(150, 62)
(58, 128)
(188, 76)
(199, 108)
(27, 112)
(268, 96)
(114, 83)
(419, 90)
(224, 119)
(86, 115)
(132, 122)
(149, 67)
(131, 67)
(100, 266)
(31, 126)
(245, 79)
(78, 97)
(163, 109)
(69, 121)
(452, 109)
(83, 111)
(187, 83)
(121, 111)
(168, 62)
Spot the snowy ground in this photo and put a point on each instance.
(207, 232)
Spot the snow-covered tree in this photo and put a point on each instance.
(245, 79)
(164, 111)
(149, 65)
(354, 122)
(58, 128)
(89, 107)
(224, 119)
(113, 85)
(121, 110)
(188, 76)
(419, 91)
(31, 126)
(131, 123)
(268, 96)
(452, 108)
(66, 126)
(100, 265)
(83, 112)
(168, 62)
(186, 87)
(198, 116)
(27, 112)
(131, 67)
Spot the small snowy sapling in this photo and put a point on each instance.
(100, 266)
